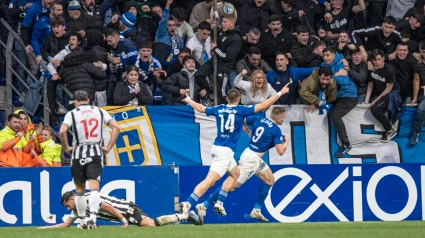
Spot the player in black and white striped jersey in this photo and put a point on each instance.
(87, 150)
(114, 209)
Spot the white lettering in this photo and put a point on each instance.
(25, 187)
(45, 198)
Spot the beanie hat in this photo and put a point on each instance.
(74, 5)
(128, 19)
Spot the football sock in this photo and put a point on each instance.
(94, 204)
(222, 195)
(212, 198)
(166, 220)
(80, 204)
(264, 191)
(193, 199)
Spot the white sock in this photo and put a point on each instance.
(94, 204)
(165, 220)
(80, 204)
(182, 217)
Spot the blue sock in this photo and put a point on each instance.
(212, 198)
(264, 191)
(222, 196)
(193, 199)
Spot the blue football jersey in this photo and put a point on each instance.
(230, 120)
(265, 134)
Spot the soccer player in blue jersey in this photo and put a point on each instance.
(230, 120)
(266, 135)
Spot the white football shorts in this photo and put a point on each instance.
(222, 159)
(249, 164)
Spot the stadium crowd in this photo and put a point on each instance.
(147, 52)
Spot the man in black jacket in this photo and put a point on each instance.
(254, 13)
(226, 50)
(358, 73)
(77, 20)
(301, 50)
(97, 12)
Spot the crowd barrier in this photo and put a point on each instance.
(178, 135)
(302, 193)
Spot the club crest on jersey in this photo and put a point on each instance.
(224, 38)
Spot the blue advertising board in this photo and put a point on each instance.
(323, 193)
(31, 196)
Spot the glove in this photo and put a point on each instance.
(323, 107)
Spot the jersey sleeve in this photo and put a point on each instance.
(278, 136)
(68, 119)
(250, 120)
(209, 111)
(106, 116)
(248, 110)
(73, 215)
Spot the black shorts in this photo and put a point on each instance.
(135, 215)
(87, 168)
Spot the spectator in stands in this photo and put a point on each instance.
(82, 76)
(339, 15)
(255, 14)
(358, 73)
(126, 26)
(146, 24)
(421, 104)
(344, 43)
(178, 66)
(381, 82)
(226, 49)
(357, 20)
(407, 72)
(275, 40)
(287, 74)
(122, 53)
(301, 49)
(256, 90)
(412, 25)
(317, 54)
(156, 8)
(42, 29)
(183, 83)
(384, 38)
(252, 62)
(200, 13)
(148, 66)
(252, 38)
(184, 30)
(98, 12)
(50, 152)
(319, 89)
(31, 16)
(200, 43)
(78, 21)
(290, 17)
(346, 98)
(132, 92)
(167, 42)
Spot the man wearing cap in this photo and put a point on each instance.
(127, 22)
(87, 151)
(78, 21)
(97, 12)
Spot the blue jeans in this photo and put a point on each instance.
(231, 80)
(421, 114)
(360, 98)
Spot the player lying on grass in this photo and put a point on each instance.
(265, 135)
(114, 209)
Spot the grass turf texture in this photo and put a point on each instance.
(408, 229)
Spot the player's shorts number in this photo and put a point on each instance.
(229, 125)
(257, 134)
(93, 123)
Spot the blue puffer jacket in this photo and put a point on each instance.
(346, 87)
(40, 32)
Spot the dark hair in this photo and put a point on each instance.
(79, 37)
(204, 26)
(390, 20)
(57, 21)
(354, 51)
(185, 50)
(233, 94)
(343, 31)
(418, 15)
(403, 44)
(275, 17)
(132, 68)
(291, 3)
(186, 58)
(146, 44)
(54, 3)
(405, 34)
(318, 44)
(282, 53)
(375, 53)
(16, 116)
(254, 30)
(326, 71)
(301, 29)
(277, 110)
(422, 45)
(254, 50)
(208, 1)
(112, 32)
(66, 196)
(331, 49)
(179, 13)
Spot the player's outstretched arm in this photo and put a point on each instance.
(66, 224)
(111, 210)
(197, 106)
(281, 148)
(271, 100)
(114, 135)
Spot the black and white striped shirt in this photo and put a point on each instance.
(123, 206)
(87, 123)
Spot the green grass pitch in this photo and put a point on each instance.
(410, 229)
